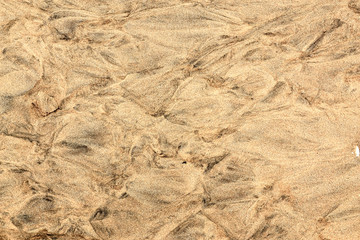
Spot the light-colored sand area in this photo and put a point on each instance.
(179, 120)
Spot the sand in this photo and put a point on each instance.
(179, 120)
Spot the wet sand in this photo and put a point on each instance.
(179, 120)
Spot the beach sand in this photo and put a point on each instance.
(179, 120)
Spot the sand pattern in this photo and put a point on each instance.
(179, 120)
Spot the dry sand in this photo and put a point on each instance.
(179, 120)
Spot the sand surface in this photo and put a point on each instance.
(179, 120)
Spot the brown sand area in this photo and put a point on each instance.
(179, 120)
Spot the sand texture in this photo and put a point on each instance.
(179, 120)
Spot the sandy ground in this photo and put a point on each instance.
(179, 120)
